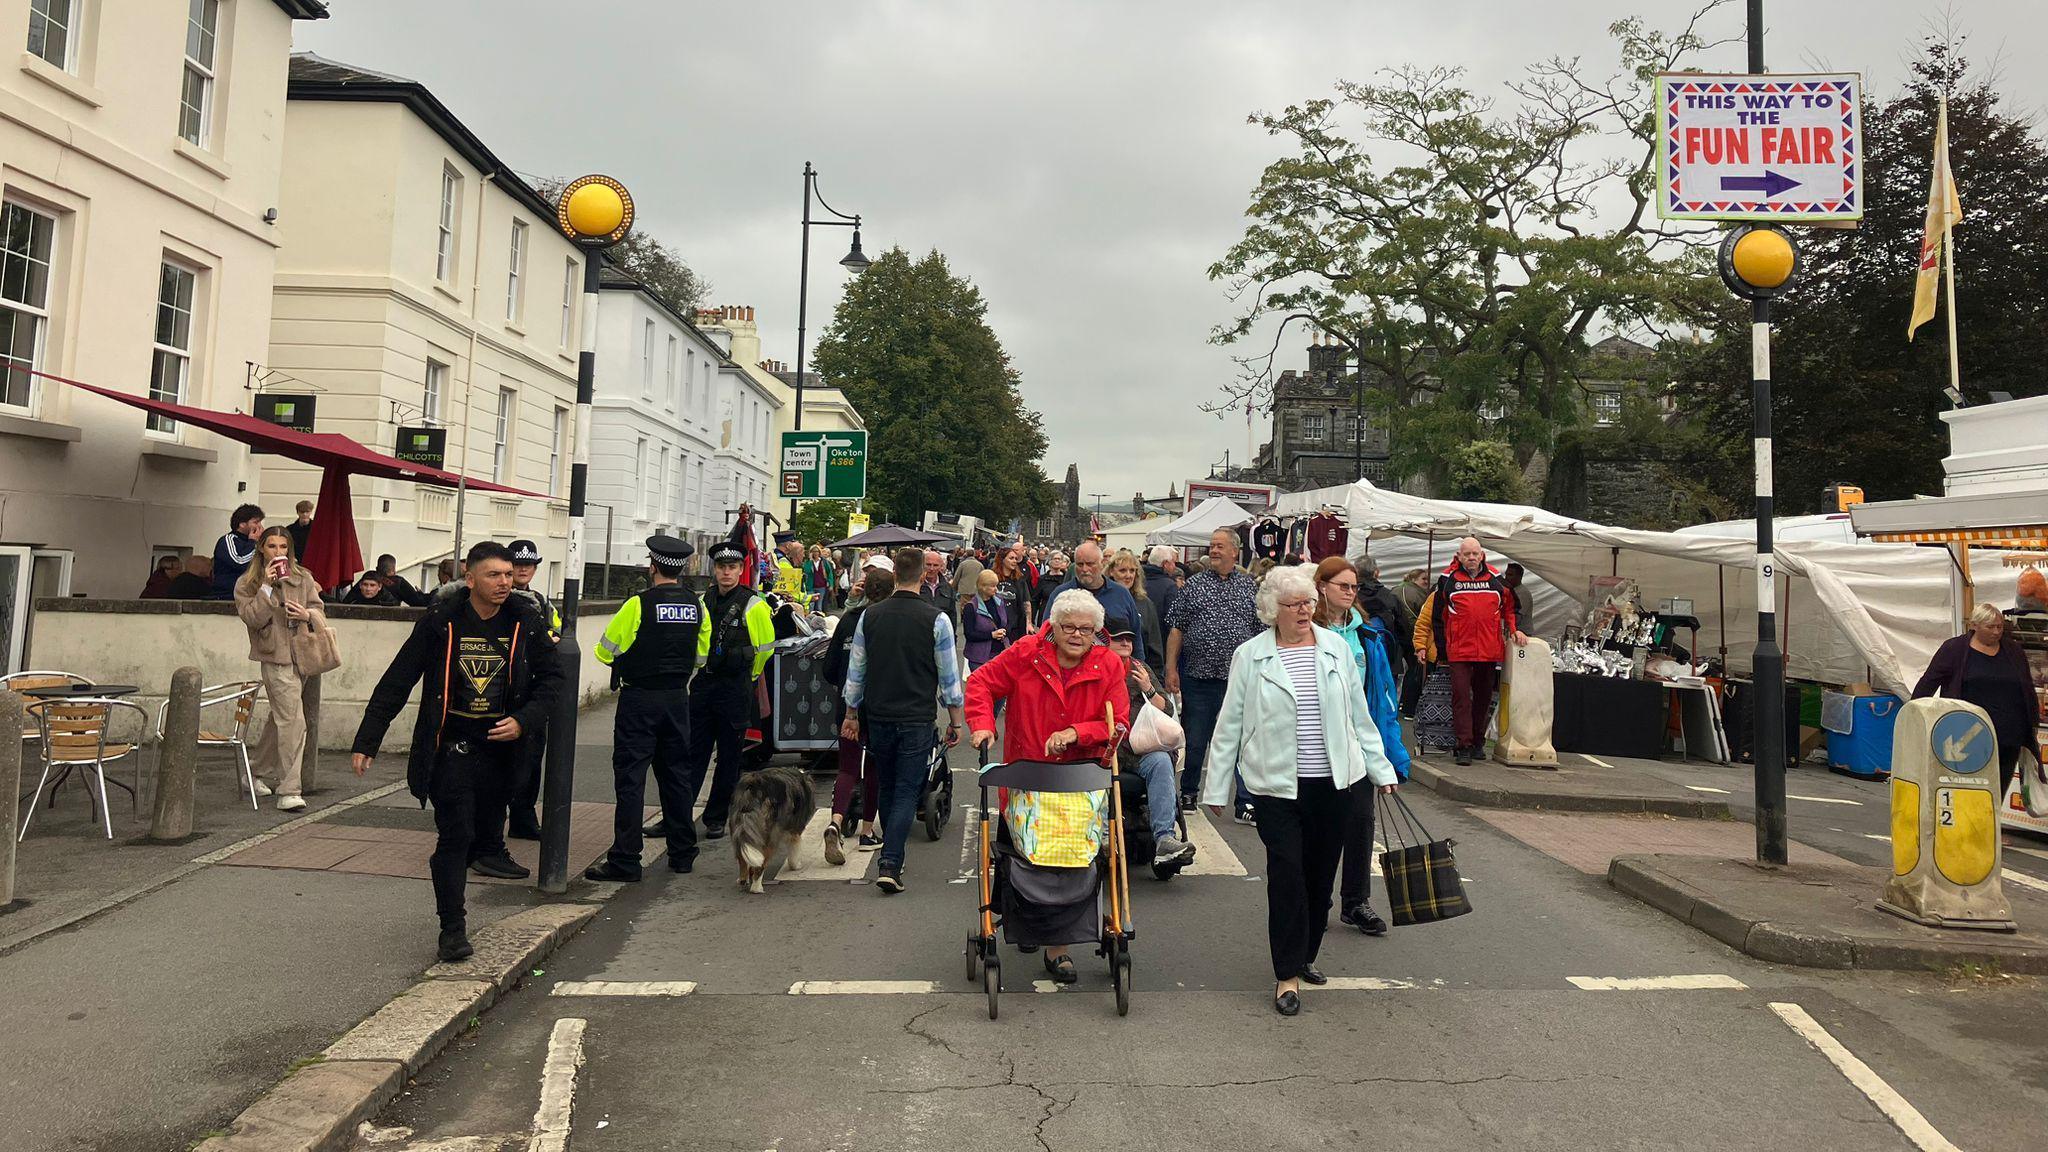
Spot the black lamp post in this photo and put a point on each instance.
(854, 261)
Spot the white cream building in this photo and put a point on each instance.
(140, 151)
(655, 427)
(825, 407)
(423, 280)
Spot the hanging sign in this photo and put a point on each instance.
(1741, 147)
(285, 409)
(428, 446)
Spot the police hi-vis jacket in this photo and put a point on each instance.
(654, 637)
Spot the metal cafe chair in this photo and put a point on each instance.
(229, 730)
(23, 681)
(74, 737)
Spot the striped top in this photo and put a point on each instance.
(1312, 758)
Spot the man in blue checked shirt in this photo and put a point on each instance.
(901, 659)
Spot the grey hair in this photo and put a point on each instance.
(1287, 582)
(1984, 613)
(1159, 555)
(1076, 603)
(1366, 567)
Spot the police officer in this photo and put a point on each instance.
(738, 638)
(525, 824)
(651, 645)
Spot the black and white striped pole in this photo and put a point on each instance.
(1758, 263)
(595, 212)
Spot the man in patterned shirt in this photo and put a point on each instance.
(1213, 614)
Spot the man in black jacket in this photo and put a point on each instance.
(491, 673)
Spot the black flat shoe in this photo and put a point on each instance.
(714, 831)
(682, 866)
(501, 867)
(454, 946)
(658, 830)
(1287, 1004)
(1062, 969)
(1310, 973)
(606, 870)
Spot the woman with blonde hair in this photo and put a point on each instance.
(276, 598)
(1126, 569)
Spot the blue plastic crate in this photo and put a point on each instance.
(1865, 751)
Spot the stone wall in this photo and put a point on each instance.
(141, 642)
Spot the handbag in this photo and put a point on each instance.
(1422, 877)
(315, 649)
(1154, 731)
(2033, 785)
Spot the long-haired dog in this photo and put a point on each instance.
(770, 809)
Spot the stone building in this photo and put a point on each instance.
(1069, 523)
(1317, 439)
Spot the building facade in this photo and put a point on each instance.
(422, 281)
(654, 427)
(826, 408)
(1317, 437)
(141, 143)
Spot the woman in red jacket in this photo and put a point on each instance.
(1060, 685)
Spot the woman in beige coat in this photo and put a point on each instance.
(276, 598)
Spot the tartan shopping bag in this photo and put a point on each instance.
(1422, 877)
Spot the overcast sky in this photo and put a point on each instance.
(1082, 161)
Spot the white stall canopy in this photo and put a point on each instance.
(1847, 612)
(1194, 529)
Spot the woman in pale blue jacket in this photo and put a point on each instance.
(1295, 728)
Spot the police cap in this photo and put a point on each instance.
(728, 552)
(782, 538)
(525, 552)
(668, 552)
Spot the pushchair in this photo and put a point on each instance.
(934, 800)
(1040, 906)
(1138, 843)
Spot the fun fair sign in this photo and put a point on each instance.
(1738, 147)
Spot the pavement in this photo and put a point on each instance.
(1560, 1014)
(1577, 784)
(168, 987)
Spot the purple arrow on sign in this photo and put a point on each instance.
(1770, 183)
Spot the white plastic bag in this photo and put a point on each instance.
(2033, 785)
(1155, 731)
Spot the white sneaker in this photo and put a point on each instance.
(290, 803)
(263, 789)
(1169, 849)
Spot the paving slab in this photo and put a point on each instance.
(316, 1109)
(1589, 841)
(417, 1025)
(1823, 915)
(1576, 785)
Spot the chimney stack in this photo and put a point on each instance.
(750, 313)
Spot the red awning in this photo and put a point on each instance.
(320, 449)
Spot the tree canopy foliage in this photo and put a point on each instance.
(1852, 400)
(1454, 246)
(948, 431)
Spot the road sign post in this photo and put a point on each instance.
(817, 464)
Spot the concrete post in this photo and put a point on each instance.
(309, 761)
(12, 722)
(177, 759)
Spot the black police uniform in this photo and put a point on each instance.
(654, 663)
(722, 700)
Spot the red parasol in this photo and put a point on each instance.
(332, 553)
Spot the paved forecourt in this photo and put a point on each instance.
(825, 1015)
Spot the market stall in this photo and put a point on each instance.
(1194, 529)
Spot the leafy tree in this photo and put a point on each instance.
(823, 521)
(948, 431)
(1465, 265)
(1852, 400)
(641, 255)
(1484, 470)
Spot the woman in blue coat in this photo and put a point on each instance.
(1337, 584)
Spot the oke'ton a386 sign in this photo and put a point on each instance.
(824, 465)
(1739, 147)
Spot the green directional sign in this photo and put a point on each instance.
(824, 465)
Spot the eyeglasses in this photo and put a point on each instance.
(1076, 629)
(1297, 604)
(1343, 585)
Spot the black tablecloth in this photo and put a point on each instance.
(1605, 716)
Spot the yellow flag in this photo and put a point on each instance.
(1943, 210)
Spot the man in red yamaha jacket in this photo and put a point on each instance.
(1473, 610)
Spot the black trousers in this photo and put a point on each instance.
(470, 783)
(1303, 837)
(720, 709)
(1356, 886)
(1411, 686)
(652, 728)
